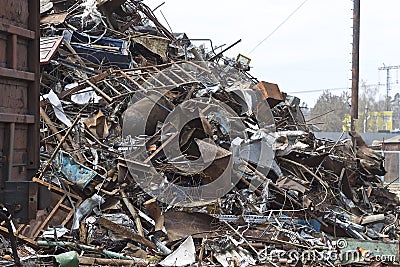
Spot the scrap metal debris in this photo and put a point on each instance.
(155, 151)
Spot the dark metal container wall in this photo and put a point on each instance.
(19, 104)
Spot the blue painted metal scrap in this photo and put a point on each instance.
(103, 51)
(72, 170)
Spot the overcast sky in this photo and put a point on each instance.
(311, 51)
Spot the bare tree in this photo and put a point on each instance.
(330, 111)
(369, 101)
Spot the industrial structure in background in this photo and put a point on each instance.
(388, 82)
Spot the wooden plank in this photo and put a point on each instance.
(69, 216)
(12, 51)
(59, 205)
(49, 217)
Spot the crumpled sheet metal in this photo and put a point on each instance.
(100, 50)
(289, 192)
(184, 255)
(73, 170)
(181, 224)
(58, 109)
(154, 104)
(156, 44)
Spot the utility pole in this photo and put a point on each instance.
(355, 64)
(388, 68)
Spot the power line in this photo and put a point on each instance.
(280, 25)
(318, 90)
(336, 89)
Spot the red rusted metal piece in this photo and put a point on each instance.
(271, 93)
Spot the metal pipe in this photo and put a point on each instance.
(90, 248)
(229, 47)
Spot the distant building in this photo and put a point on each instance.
(395, 103)
(380, 121)
(376, 121)
(346, 126)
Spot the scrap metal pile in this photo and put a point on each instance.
(155, 151)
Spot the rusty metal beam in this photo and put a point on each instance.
(17, 74)
(12, 29)
(17, 118)
(34, 88)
